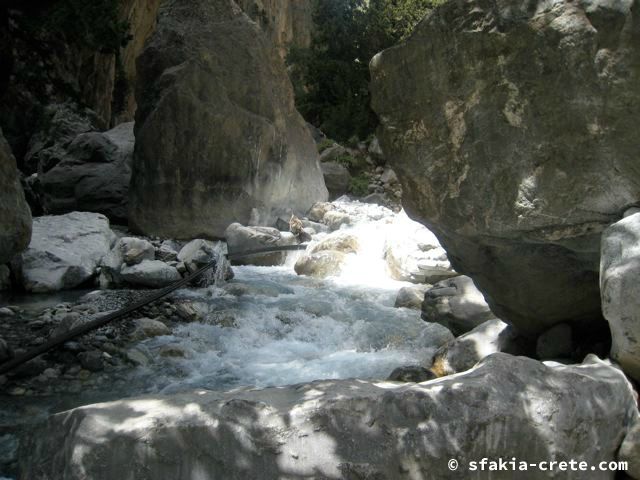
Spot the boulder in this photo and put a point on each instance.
(322, 264)
(411, 373)
(199, 253)
(348, 428)
(64, 252)
(168, 251)
(147, 327)
(334, 220)
(620, 290)
(15, 216)
(467, 350)
(411, 297)
(338, 241)
(318, 210)
(505, 161)
(336, 177)
(413, 253)
(92, 174)
(630, 451)
(150, 273)
(210, 71)
(135, 250)
(457, 304)
(332, 153)
(241, 239)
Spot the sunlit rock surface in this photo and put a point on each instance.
(512, 127)
(506, 407)
(620, 285)
(218, 138)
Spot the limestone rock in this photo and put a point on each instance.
(324, 263)
(336, 177)
(210, 71)
(347, 428)
(411, 297)
(457, 304)
(620, 290)
(241, 239)
(413, 254)
(516, 174)
(91, 174)
(64, 252)
(150, 273)
(15, 216)
(135, 250)
(630, 451)
(465, 351)
(339, 241)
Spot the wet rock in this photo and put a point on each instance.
(135, 250)
(338, 241)
(150, 273)
(557, 342)
(168, 251)
(191, 312)
(138, 356)
(457, 304)
(15, 215)
(334, 220)
(92, 361)
(198, 253)
(620, 291)
(414, 254)
(64, 252)
(321, 264)
(32, 368)
(248, 152)
(348, 426)
(376, 198)
(411, 297)
(319, 210)
(519, 206)
(315, 226)
(434, 336)
(147, 327)
(412, 374)
(241, 239)
(172, 351)
(467, 350)
(336, 177)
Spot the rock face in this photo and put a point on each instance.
(348, 428)
(620, 286)
(218, 139)
(64, 252)
(15, 216)
(457, 304)
(287, 24)
(518, 164)
(93, 174)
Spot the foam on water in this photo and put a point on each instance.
(289, 329)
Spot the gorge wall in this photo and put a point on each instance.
(218, 138)
(512, 127)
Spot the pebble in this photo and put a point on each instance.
(6, 312)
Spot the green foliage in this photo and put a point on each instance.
(325, 144)
(331, 77)
(359, 186)
(94, 24)
(353, 163)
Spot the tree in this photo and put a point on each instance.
(331, 77)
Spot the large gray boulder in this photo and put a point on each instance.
(93, 174)
(218, 139)
(620, 287)
(457, 304)
(64, 252)
(348, 428)
(336, 177)
(241, 239)
(519, 163)
(15, 216)
(150, 273)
